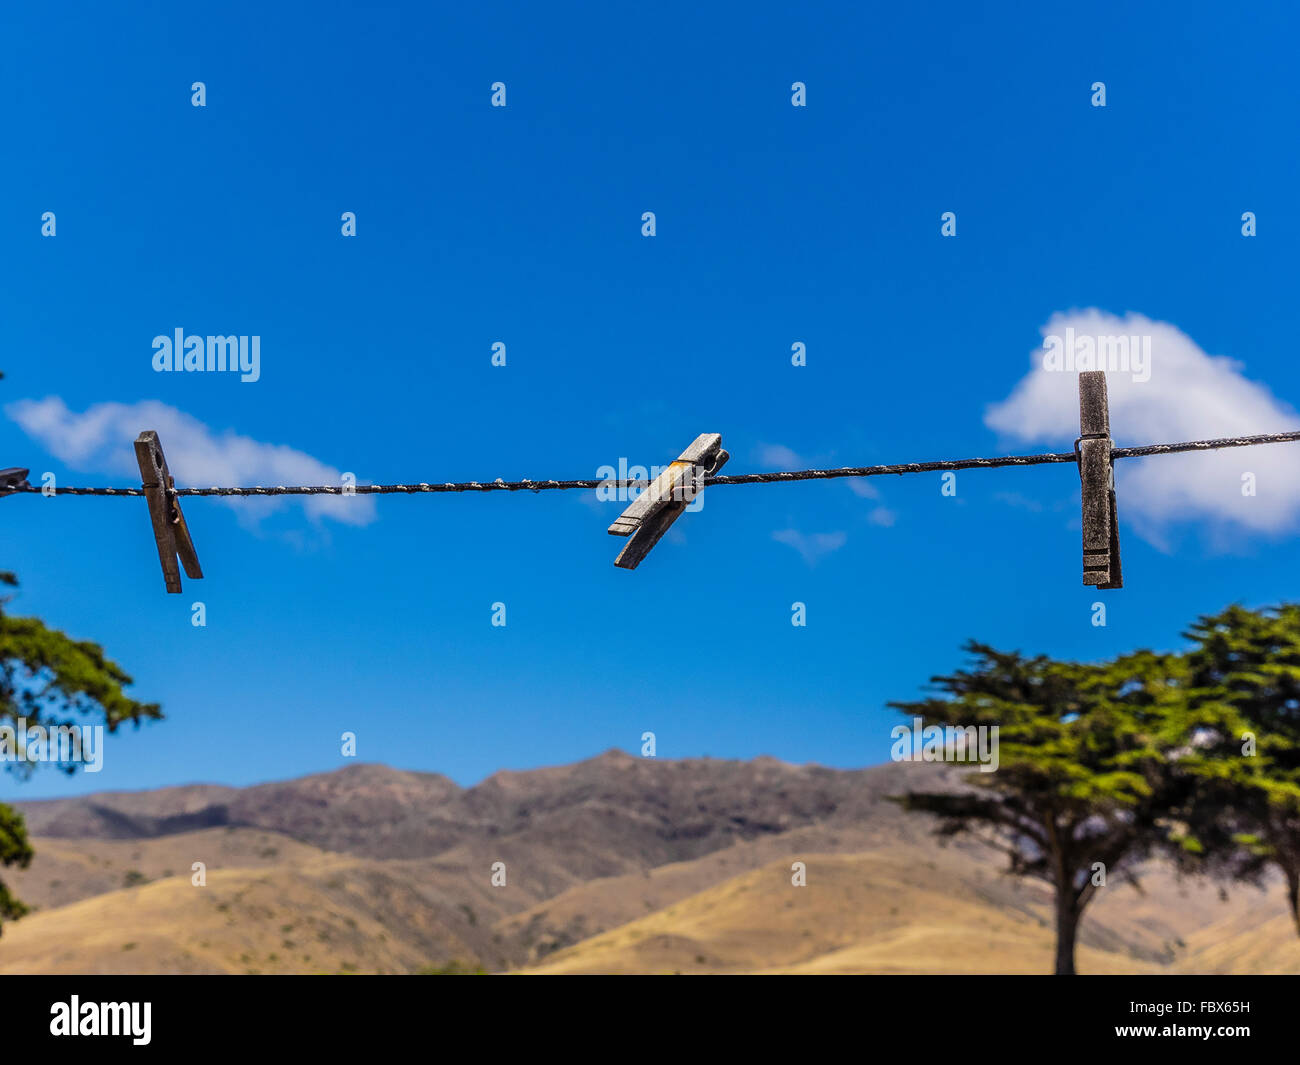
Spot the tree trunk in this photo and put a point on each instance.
(1067, 925)
(1293, 893)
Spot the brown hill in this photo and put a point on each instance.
(616, 864)
(625, 809)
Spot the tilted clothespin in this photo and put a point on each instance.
(169, 527)
(1097, 478)
(13, 480)
(663, 500)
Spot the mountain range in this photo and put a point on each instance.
(616, 864)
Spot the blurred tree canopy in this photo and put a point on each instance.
(1194, 756)
(1245, 672)
(49, 680)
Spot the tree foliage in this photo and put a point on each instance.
(1087, 777)
(50, 680)
(1244, 685)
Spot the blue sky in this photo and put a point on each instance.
(522, 224)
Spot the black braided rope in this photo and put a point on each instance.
(899, 469)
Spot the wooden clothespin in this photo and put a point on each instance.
(1101, 565)
(169, 527)
(663, 500)
(12, 480)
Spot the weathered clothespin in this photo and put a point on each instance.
(169, 527)
(13, 480)
(663, 500)
(1101, 565)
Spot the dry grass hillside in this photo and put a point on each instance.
(613, 865)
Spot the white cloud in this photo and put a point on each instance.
(1190, 396)
(779, 457)
(813, 547)
(100, 440)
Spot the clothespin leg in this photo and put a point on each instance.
(184, 545)
(1116, 575)
(650, 533)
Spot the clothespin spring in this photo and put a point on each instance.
(12, 480)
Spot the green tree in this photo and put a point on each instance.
(50, 680)
(1086, 774)
(1244, 690)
